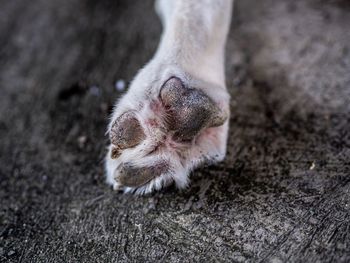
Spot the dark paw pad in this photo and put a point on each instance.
(126, 132)
(131, 176)
(189, 110)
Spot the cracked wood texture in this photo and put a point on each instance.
(283, 192)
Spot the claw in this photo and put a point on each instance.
(115, 153)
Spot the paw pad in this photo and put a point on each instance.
(126, 132)
(130, 176)
(189, 110)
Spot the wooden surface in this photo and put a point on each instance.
(283, 192)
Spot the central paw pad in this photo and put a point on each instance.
(189, 110)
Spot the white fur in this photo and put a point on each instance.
(192, 49)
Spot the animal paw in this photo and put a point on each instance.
(167, 124)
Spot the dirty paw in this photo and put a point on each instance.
(159, 134)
